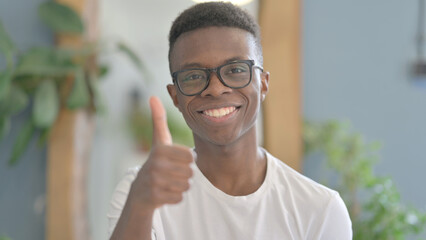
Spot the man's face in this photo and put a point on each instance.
(219, 115)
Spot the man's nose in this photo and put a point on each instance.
(216, 87)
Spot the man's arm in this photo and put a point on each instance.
(134, 222)
(162, 180)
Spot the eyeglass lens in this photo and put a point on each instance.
(234, 75)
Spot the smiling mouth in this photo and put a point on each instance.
(219, 112)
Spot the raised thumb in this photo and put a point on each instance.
(161, 133)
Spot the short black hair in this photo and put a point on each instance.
(214, 14)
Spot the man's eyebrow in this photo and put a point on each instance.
(198, 65)
(191, 65)
(233, 59)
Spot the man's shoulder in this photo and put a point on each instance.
(310, 202)
(286, 179)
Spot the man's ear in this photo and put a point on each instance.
(173, 94)
(264, 84)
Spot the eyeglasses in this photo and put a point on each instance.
(236, 74)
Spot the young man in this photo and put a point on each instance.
(227, 187)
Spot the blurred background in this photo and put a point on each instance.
(356, 76)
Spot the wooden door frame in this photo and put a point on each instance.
(280, 22)
(68, 150)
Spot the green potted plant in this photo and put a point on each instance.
(374, 203)
(43, 73)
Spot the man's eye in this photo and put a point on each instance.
(237, 70)
(193, 77)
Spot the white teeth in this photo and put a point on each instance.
(220, 112)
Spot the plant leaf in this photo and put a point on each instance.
(5, 79)
(66, 53)
(46, 104)
(15, 102)
(44, 134)
(134, 58)
(44, 62)
(131, 54)
(4, 127)
(21, 142)
(6, 45)
(79, 96)
(103, 71)
(61, 18)
(96, 95)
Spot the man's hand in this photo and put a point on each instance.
(165, 176)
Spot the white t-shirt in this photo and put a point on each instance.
(287, 205)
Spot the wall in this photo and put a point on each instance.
(22, 188)
(355, 67)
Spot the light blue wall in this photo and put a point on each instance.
(355, 67)
(22, 188)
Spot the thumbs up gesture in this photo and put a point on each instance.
(165, 175)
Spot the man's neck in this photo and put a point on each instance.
(237, 169)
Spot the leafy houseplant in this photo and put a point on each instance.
(374, 203)
(53, 77)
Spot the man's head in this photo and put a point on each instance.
(214, 14)
(218, 83)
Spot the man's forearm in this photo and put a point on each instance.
(134, 223)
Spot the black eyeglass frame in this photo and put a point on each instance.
(208, 71)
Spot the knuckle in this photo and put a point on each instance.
(182, 186)
(186, 152)
(180, 197)
(186, 186)
(189, 156)
(190, 173)
(177, 198)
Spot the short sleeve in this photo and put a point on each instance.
(118, 201)
(336, 223)
(119, 198)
